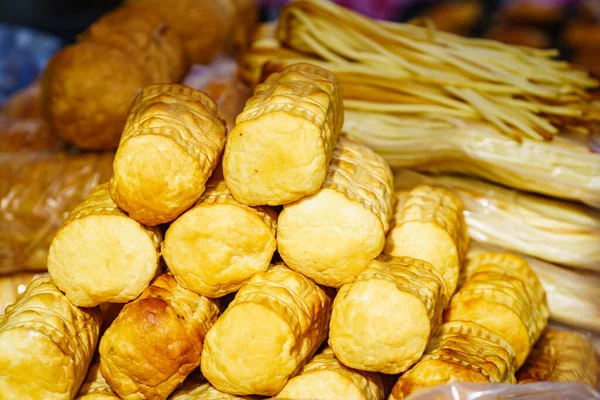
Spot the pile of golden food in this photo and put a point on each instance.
(284, 258)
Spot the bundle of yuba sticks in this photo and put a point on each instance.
(433, 101)
(182, 240)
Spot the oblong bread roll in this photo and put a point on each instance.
(46, 344)
(402, 298)
(170, 145)
(324, 377)
(460, 351)
(332, 235)
(95, 386)
(198, 388)
(561, 356)
(101, 255)
(429, 225)
(282, 143)
(156, 340)
(218, 244)
(494, 295)
(276, 322)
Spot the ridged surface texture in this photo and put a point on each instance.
(428, 224)
(156, 340)
(198, 388)
(332, 235)
(460, 351)
(95, 386)
(170, 146)
(276, 323)
(46, 344)
(384, 320)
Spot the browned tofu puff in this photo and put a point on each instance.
(429, 225)
(171, 143)
(283, 141)
(101, 255)
(384, 319)
(502, 293)
(276, 322)
(561, 356)
(156, 341)
(459, 352)
(324, 377)
(46, 344)
(332, 235)
(218, 244)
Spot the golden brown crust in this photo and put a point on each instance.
(43, 189)
(46, 344)
(460, 351)
(196, 387)
(25, 103)
(562, 356)
(11, 286)
(18, 134)
(156, 341)
(95, 386)
(177, 131)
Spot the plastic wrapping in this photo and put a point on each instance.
(563, 168)
(37, 192)
(530, 391)
(553, 230)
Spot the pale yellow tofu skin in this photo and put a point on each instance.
(332, 235)
(275, 324)
(502, 293)
(101, 255)
(282, 144)
(429, 225)
(383, 321)
(460, 351)
(218, 244)
(95, 386)
(170, 145)
(562, 356)
(198, 388)
(324, 377)
(46, 344)
(156, 340)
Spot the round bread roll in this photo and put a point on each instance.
(101, 255)
(218, 244)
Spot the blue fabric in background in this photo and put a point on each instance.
(24, 53)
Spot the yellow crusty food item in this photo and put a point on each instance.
(156, 340)
(281, 146)
(198, 388)
(324, 377)
(275, 324)
(333, 234)
(11, 286)
(429, 225)
(460, 351)
(502, 293)
(46, 344)
(218, 244)
(95, 386)
(170, 145)
(383, 321)
(101, 255)
(561, 356)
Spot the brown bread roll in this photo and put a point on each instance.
(333, 234)
(41, 191)
(460, 351)
(275, 324)
(156, 341)
(383, 321)
(218, 244)
(170, 145)
(324, 377)
(46, 344)
(18, 134)
(101, 255)
(429, 225)
(282, 144)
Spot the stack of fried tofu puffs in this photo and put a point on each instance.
(276, 257)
